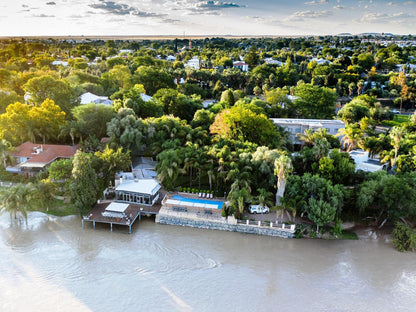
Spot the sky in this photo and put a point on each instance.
(197, 17)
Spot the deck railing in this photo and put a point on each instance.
(283, 226)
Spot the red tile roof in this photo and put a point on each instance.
(47, 154)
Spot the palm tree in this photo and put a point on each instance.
(351, 135)
(307, 137)
(264, 199)
(238, 197)
(5, 152)
(282, 169)
(289, 203)
(168, 167)
(321, 148)
(71, 128)
(396, 135)
(44, 193)
(17, 200)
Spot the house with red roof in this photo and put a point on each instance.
(243, 66)
(31, 158)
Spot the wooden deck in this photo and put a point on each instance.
(131, 214)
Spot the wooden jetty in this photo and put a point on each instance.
(99, 214)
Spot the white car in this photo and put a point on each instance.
(257, 209)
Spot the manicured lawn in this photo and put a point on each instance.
(60, 209)
(401, 118)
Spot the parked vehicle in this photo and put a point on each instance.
(258, 209)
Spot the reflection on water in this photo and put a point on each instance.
(54, 265)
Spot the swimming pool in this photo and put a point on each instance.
(199, 200)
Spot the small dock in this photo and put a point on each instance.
(125, 216)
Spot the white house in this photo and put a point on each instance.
(194, 63)
(170, 58)
(62, 63)
(271, 61)
(295, 126)
(89, 97)
(142, 192)
(241, 65)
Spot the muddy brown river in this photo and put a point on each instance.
(55, 265)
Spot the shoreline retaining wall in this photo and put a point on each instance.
(197, 220)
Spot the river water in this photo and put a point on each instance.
(54, 265)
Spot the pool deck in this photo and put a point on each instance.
(131, 214)
(183, 204)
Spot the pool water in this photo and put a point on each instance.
(199, 200)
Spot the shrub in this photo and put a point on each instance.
(337, 230)
(404, 237)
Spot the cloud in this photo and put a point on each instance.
(399, 17)
(205, 7)
(391, 3)
(43, 15)
(339, 7)
(51, 3)
(122, 9)
(217, 5)
(315, 2)
(302, 15)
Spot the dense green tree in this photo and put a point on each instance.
(404, 237)
(378, 195)
(303, 188)
(203, 118)
(83, 185)
(321, 212)
(92, 119)
(126, 130)
(47, 87)
(110, 162)
(243, 124)
(153, 79)
(354, 111)
(315, 102)
(177, 104)
(8, 97)
(61, 169)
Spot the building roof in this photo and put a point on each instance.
(363, 162)
(145, 97)
(310, 122)
(239, 63)
(43, 154)
(142, 186)
(117, 207)
(89, 97)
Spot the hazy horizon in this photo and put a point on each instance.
(205, 18)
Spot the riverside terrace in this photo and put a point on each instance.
(116, 213)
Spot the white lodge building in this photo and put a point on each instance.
(295, 126)
(142, 192)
